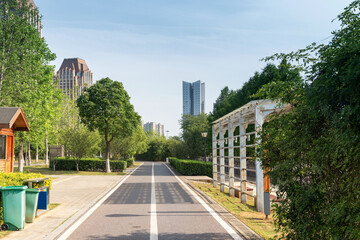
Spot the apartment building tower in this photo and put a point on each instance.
(74, 75)
(34, 17)
(157, 129)
(193, 98)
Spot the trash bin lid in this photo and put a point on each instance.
(12, 188)
(34, 190)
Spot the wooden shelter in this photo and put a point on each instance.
(11, 119)
(231, 141)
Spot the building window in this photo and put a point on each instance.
(2, 147)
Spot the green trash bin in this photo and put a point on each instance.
(13, 207)
(32, 196)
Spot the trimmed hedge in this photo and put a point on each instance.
(88, 164)
(17, 179)
(192, 167)
(129, 162)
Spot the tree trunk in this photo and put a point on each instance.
(21, 148)
(46, 150)
(29, 153)
(25, 154)
(77, 167)
(37, 154)
(108, 170)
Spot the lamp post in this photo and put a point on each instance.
(204, 135)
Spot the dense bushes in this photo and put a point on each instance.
(129, 162)
(192, 167)
(88, 164)
(17, 179)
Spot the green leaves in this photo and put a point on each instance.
(192, 126)
(106, 107)
(313, 151)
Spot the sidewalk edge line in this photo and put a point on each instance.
(78, 222)
(216, 216)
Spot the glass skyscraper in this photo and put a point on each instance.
(193, 98)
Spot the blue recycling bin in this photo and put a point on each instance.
(43, 199)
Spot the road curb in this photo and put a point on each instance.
(246, 232)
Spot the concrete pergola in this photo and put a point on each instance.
(230, 168)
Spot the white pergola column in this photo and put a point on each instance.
(222, 159)
(215, 162)
(231, 158)
(242, 133)
(258, 165)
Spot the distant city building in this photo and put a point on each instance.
(155, 128)
(160, 129)
(74, 75)
(150, 127)
(193, 98)
(34, 18)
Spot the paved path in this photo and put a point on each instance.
(76, 194)
(153, 204)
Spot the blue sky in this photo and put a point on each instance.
(152, 46)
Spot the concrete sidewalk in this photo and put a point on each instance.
(75, 194)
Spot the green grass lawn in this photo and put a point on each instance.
(244, 212)
(45, 170)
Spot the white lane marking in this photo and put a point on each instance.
(153, 219)
(224, 224)
(63, 180)
(71, 229)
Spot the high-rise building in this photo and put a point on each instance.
(34, 18)
(150, 127)
(193, 98)
(155, 128)
(160, 129)
(74, 75)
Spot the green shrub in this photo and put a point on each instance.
(88, 164)
(129, 162)
(192, 167)
(17, 179)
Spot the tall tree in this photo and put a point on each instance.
(313, 151)
(230, 100)
(25, 77)
(106, 107)
(127, 147)
(192, 126)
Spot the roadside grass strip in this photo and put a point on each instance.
(244, 212)
(216, 216)
(45, 170)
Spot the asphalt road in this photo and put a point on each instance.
(153, 204)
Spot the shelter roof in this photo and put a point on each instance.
(13, 117)
(245, 108)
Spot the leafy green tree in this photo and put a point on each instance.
(106, 107)
(313, 151)
(26, 79)
(157, 149)
(79, 142)
(192, 126)
(127, 147)
(230, 100)
(176, 148)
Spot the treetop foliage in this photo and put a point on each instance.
(106, 106)
(313, 151)
(230, 100)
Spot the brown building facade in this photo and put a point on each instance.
(73, 76)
